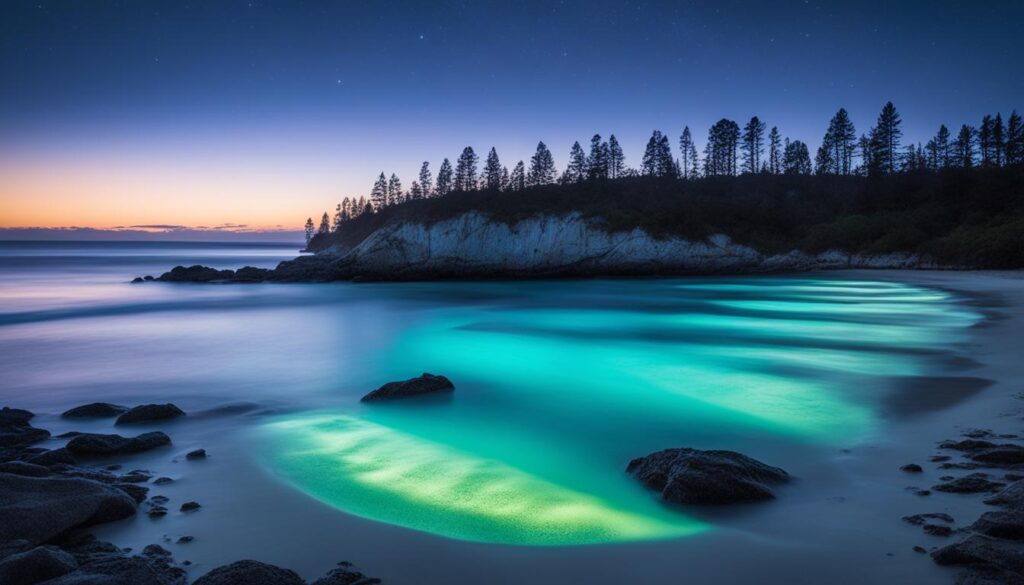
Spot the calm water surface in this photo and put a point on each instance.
(559, 384)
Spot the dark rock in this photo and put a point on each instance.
(1011, 497)
(978, 433)
(966, 445)
(1013, 477)
(919, 519)
(137, 492)
(691, 476)
(137, 280)
(162, 481)
(22, 468)
(345, 574)
(919, 549)
(161, 499)
(94, 444)
(937, 530)
(156, 512)
(190, 506)
(911, 468)
(251, 274)
(425, 384)
(95, 410)
(970, 484)
(148, 413)
(197, 454)
(135, 477)
(918, 492)
(39, 509)
(13, 547)
(990, 555)
(1000, 455)
(16, 430)
(249, 573)
(147, 277)
(36, 565)
(186, 539)
(1001, 524)
(53, 457)
(939, 458)
(196, 273)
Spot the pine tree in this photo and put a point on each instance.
(753, 145)
(885, 140)
(823, 163)
(309, 230)
(840, 140)
(933, 161)
(426, 180)
(774, 151)
(963, 147)
(415, 191)
(517, 180)
(504, 178)
(339, 217)
(577, 169)
(325, 224)
(942, 152)
(649, 162)
(796, 159)
(616, 158)
(395, 194)
(379, 194)
(1014, 139)
(465, 170)
(687, 154)
(720, 151)
(542, 167)
(597, 161)
(492, 171)
(998, 141)
(445, 182)
(666, 164)
(985, 141)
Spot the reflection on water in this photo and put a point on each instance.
(559, 384)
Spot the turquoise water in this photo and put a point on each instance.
(559, 384)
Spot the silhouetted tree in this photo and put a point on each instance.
(823, 163)
(426, 180)
(542, 167)
(465, 170)
(325, 224)
(687, 155)
(1014, 139)
(985, 142)
(616, 158)
(885, 141)
(963, 147)
(796, 160)
(657, 160)
(415, 191)
(840, 141)
(517, 180)
(395, 194)
(942, 153)
(309, 230)
(998, 141)
(445, 182)
(492, 171)
(339, 216)
(753, 145)
(576, 171)
(379, 194)
(597, 160)
(504, 178)
(774, 151)
(720, 151)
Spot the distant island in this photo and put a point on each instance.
(754, 202)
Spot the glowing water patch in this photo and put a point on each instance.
(381, 473)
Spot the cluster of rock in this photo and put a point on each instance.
(49, 499)
(991, 549)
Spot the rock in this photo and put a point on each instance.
(970, 484)
(156, 511)
(22, 468)
(94, 444)
(190, 506)
(161, 499)
(937, 530)
(36, 565)
(148, 413)
(39, 509)
(196, 273)
(939, 458)
(425, 384)
(186, 539)
(135, 476)
(197, 454)
(95, 410)
(249, 573)
(1000, 455)
(53, 457)
(162, 481)
(345, 574)
(919, 519)
(1011, 497)
(691, 476)
(966, 445)
(990, 555)
(919, 549)
(15, 429)
(911, 468)
(1001, 524)
(136, 492)
(137, 280)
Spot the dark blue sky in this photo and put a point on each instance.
(314, 98)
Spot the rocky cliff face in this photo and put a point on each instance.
(471, 245)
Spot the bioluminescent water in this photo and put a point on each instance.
(556, 380)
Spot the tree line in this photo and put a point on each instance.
(729, 151)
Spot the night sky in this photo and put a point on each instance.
(261, 113)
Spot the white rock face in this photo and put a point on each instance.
(472, 244)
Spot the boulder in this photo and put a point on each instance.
(692, 476)
(148, 413)
(345, 574)
(53, 457)
(197, 454)
(39, 509)
(196, 273)
(1008, 524)
(425, 384)
(95, 410)
(190, 506)
(22, 468)
(249, 573)
(15, 429)
(987, 555)
(36, 565)
(95, 444)
(911, 468)
(970, 484)
(1011, 497)
(919, 519)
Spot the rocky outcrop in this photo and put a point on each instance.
(691, 476)
(96, 444)
(148, 413)
(413, 387)
(472, 245)
(36, 565)
(95, 410)
(250, 573)
(16, 430)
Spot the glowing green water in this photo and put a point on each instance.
(560, 384)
